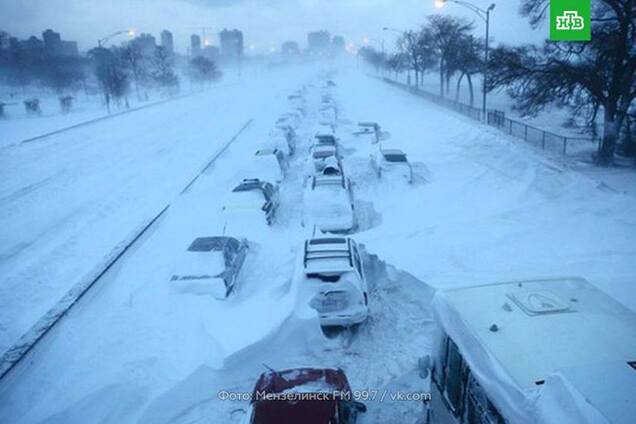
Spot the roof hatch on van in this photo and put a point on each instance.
(539, 302)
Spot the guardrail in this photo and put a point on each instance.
(497, 119)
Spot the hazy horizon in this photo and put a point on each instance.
(266, 23)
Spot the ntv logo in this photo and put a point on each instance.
(570, 21)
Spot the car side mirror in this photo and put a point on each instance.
(424, 366)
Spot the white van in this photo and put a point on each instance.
(546, 351)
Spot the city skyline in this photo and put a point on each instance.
(266, 25)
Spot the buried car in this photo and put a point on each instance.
(253, 197)
(541, 351)
(211, 266)
(269, 165)
(303, 395)
(341, 297)
(329, 205)
(391, 162)
(319, 155)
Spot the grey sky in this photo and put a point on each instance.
(266, 23)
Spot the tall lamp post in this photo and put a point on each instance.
(101, 41)
(485, 16)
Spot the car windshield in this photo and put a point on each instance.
(395, 157)
(321, 154)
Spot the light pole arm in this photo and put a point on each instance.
(114, 34)
(483, 14)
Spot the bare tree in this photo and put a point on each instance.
(465, 59)
(137, 64)
(442, 34)
(203, 70)
(585, 76)
(417, 52)
(163, 70)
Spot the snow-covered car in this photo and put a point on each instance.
(387, 163)
(334, 265)
(252, 199)
(319, 155)
(211, 265)
(303, 395)
(542, 351)
(369, 128)
(325, 139)
(329, 205)
(269, 164)
(281, 141)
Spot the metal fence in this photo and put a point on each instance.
(536, 136)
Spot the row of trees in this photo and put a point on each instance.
(444, 43)
(116, 71)
(588, 78)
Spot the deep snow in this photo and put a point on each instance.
(484, 208)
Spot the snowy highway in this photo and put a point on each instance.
(483, 208)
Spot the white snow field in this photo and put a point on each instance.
(483, 208)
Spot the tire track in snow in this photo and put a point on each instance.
(30, 339)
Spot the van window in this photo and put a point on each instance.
(453, 376)
(479, 409)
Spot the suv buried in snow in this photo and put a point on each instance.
(303, 395)
(392, 162)
(269, 165)
(211, 265)
(335, 266)
(253, 195)
(329, 204)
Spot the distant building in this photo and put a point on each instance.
(319, 42)
(195, 45)
(211, 52)
(32, 43)
(55, 46)
(52, 42)
(290, 48)
(231, 44)
(69, 48)
(167, 42)
(146, 44)
(338, 44)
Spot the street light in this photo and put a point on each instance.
(485, 16)
(130, 32)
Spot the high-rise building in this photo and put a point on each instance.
(319, 42)
(338, 44)
(195, 45)
(55, 46)
(52, 42)
(231, 44)
(146, 44)
(167, 42)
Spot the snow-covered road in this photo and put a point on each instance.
(484, 208)
(68, 200)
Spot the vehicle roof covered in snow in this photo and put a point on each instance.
(328, 181)
(540, 325)
(301, 380)
(517, 336)
(327, 254)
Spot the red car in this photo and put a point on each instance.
(304, 396)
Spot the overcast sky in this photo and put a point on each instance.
(266, 23)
